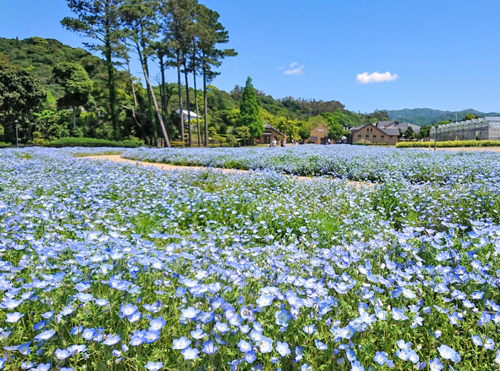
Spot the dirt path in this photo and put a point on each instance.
(118, 158)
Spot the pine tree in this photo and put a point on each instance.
(210, 33)
(249, 111)
(140, 28)
(99, 20)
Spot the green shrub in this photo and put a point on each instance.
(91, 142)
(177, 143)
(371, 144)
(450, 143)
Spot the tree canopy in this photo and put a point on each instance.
(21, 94)
(249, 111)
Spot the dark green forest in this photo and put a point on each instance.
(55, 91)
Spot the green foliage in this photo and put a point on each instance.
(177, 143)
(249, 111)
(91, 142)
(335, 130)
(409, 133)
(304, 133)
(450, 144)
(243, 132)
(41, 56)
(424, 132)
(76, 84)
(231, 140)
(20, 94)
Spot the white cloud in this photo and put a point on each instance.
(294, 69)
(366, 78)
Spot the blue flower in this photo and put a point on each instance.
(14, 317)
(299, 353)
(154, 366)
(62, 354)
(320, 345)
(112, 340)
(381, 358)
(282, 348)
(181, 343)
(190, 313)
(436, 365)
(282, 317)
(244, 346)
(265, 300)
(127, 310)
(477, 340)
(198, 334)
(190, 353)
(209, 347)
(448, 353)
(266, 345)
(309, 329)
(250, 357)
(45, 335)
(222, 327)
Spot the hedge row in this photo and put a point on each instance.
(91, 142)
(450, 143)
(372, 144)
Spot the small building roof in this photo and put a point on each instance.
(395, 124)
(185, 113)
(388, 131)
(267, 126)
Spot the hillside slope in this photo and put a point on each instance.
(426, 116)
(40, 55)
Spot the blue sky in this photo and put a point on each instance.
(439, 54)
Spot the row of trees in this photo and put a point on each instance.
(180, 34)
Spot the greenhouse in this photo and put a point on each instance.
(487, 128)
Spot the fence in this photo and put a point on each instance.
(487, 128)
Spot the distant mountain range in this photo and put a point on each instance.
(426, 116)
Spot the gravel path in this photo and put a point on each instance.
(118, 158)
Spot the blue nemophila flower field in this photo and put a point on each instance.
(112, 266)
(338, 161)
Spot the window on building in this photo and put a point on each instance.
(367, 136)
(390, 137)
(374, 136)
(359, 136)
(382, 136)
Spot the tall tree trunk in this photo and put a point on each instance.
(112, 88)
(74, 117)
(179, 87)
(157, 109)
(205, 113)
(197, 110)
(163, 92)
(188, 103)
(132, 84)
(134, 94)
(153, 97)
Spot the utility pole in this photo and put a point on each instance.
(435, 138)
